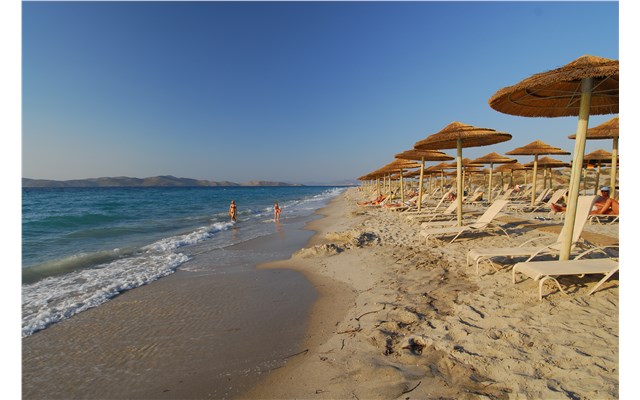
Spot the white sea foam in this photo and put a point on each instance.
(199, 235)
(58, 297)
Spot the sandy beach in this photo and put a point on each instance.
(418, 323)
(380, 315)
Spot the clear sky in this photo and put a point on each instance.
(290, 91)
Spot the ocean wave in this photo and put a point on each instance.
(53, 299)
(199, 235)
(71, 263)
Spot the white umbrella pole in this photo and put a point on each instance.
(401, 185)
(464, 179)
(535, 178)
(490, 180)
(595, 189)
(576, 168)
(420, 186)
(378, 185)
(459, 180)
(613, 172)
(387, 186)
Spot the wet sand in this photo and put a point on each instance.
(206, 334)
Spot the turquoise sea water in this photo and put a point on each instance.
(83, 246)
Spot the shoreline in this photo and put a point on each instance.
(418, 323)
(388, 317)
(199, 333)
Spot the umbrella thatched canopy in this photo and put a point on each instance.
(535, 149)
(599, 155)
(399, 165)
(548, 163)
(557, 93)
(427, 155)
(423, 155)
(607, 130)
(598, 158)
(516, 166)
(588, 85)
(466, 163)
(493, 158)
(456, 136)
(440, 167)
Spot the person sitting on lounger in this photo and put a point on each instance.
(604, 205)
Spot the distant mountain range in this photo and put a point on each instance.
(157, 181)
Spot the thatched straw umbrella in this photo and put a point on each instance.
(607, 130)
(422, 155)
(399, 166)
(597, 158)
(588, 85)
(547, 163)
(376, 175)
(493, 158)
(535, 149)
(439, 168)
(516, 166)
(456, 136)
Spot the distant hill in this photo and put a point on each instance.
(156, 181)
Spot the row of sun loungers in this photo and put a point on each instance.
(440, 222)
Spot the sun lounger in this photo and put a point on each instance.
(413, 206)
(549, 270)
(483, 224)
(486, 254)
(505, 195)
(425, 209)
(526, 207)
(399, 205)
(523, 204)
(474, 198)
(429, 215)
(603, 218)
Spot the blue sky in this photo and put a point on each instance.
(291, 91)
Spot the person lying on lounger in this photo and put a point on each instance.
(376, 201)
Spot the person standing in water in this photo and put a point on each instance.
(233, 210)
(276, 212)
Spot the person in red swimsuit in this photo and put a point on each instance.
(276, 212)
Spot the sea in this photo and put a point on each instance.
(82, 247)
